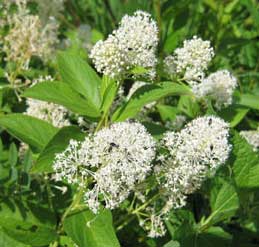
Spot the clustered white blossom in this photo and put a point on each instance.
(191, 60)
(252, 137)
(115, 159)
(198, 149)
(47, 111)
(132, 45)
(219, 86)
(50, 112)
(27, 36)
(157, 227)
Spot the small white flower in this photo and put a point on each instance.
(109, 57)
(219, 86)
(252, 137)
(200, 148)
(133, 44)
(116, 158)
(191, 60)
(50, 112)
(27, 36)
(157, 227)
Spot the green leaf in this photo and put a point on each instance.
(214, 237)
(167, 112)
(188, 106)
(109, 95)
(253, 177)
(28, 224)
(172, 244)
(249, 100)
(27, 161)
(66, 242)
(56, 145)
(87, 229)
(28, 233)
(6, 241)
(224, 205)
(233, 114)
(62, 94)
(30, 130)
(252, 7)
(80, 76)
(146, 95)
(156, 130)
(13, 155)
(244, 160)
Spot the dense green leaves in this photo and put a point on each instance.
(62, 94)
(80, 76)
(222, 213)
(245, 163)
(57, 144)
(30, 130)
(87, 229)
(30, 225)
(148, 94)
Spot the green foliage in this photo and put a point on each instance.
(81, 77)
(148, 94)
(38, 211)
(28, 129)
(62, 94)
(56, 144)
(245, 164)
(87, 229)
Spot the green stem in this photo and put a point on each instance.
(157, 7)
(132, 214)
(76, 200)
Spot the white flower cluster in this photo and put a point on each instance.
(157, 227)
(49, 8)
(191, 60)
(219, 86)
(132, 45)
(115, 158)
(198, 149)
(50, 112)
(252, 137)
(28, 37)
(47, 111)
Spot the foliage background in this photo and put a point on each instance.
(223, 213)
